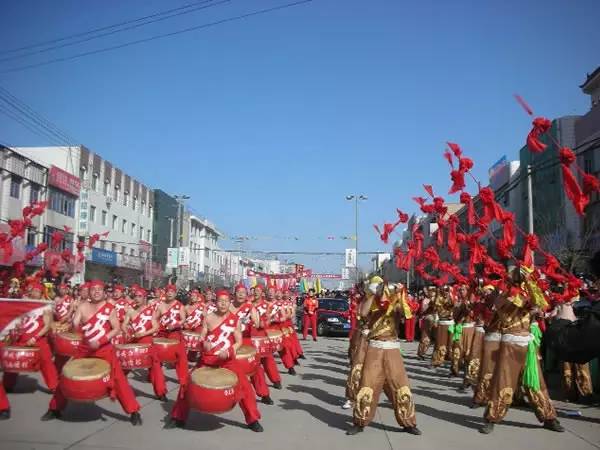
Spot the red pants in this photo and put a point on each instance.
(122, 388)
(296, 343)
(259, 382)
(352, 325)
(268, 363)
(4, 405)
(309, 320)
(155, 373)
(409, 328)
(181, 365)
(286, 353)
(47, 368)
(248, 405)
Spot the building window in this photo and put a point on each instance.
(92, 213)
(15, 186)
(123, 250)
(124, 226)
(115, 223)
(133, 229)
(95, 182)
(34, 193)
(132, 252)
(116, 194)
(31, 237)
(126, 198)
(103, 245)
(104, 217)
(106, 190)
(150, 211)
(66, 243)
(148, 236)
(143, 207)
(83, 174)
(114, 247)
(141, 233)
(61, 202)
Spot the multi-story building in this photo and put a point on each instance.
(206, 260)
(106, 200)
(587, 137)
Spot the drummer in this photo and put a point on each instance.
(64, 306)
(98, 323)
(290, 303)
(171, 315)
(32, 331)
(277, 315)
(84, 292)
(194, 312)
(141, 324)
(248, 318)
(267, 360)
(222, 338)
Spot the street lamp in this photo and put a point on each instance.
(180, 199)
(356, 198)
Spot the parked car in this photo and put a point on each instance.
(332, 316)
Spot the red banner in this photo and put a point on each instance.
(329, 276)
(13, 310)
(54, 260)
(64, 181)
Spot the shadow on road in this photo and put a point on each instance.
(339, 370)
(319, 394)
(327, 379)
(89, 412)
(464, 401)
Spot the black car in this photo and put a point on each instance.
(332, 316)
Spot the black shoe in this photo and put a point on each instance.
(277, 386)
(413, 430)
(554, 425)
(291, 371)
(301, 357)
(163, 398)
(475, 405)
(5, 415)
(487, 428)
(173, 423)
(50, 415)
(315, 339)
(267, 400)
(256, 427)
(463, 388)
(135, 419)
(296, 363)
(354, 429)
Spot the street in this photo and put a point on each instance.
(306, 415)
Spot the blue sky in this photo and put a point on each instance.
(267, 123)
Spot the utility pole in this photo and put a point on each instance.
(530, 229)
(356, 198)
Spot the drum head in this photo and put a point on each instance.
(274, 333)
(213, 378)
(85, 369)
(191, 333)
(18, 348)
(246, 351)
(70, 336)
(131, 346)
(164, 341)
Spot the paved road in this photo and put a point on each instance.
(306, 415)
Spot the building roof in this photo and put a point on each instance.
(591, 78)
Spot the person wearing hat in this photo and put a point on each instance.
(32, 331)
(518, 366)
(267, 360)
(383, 366)
(248, 319)
(98, 324)
(171, 316)
(141, 325)
(309, 318)
(277, 314)
(222, 338)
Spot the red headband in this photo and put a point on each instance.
(36, 285)
(240, 286)
(96, 283)
(171, 287)
(222, 293)
(139, 292)
(118, 287)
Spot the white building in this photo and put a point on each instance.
(109, 201)
(206, 259)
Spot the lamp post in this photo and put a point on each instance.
(180, 199)
(356, 198)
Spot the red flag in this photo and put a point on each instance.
(13, 310)
(540, 126)
(429, 189)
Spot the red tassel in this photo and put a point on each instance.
(448, 157)
(573, 191)
(458, 181)
(402, 217)
(429, 189)
(508, 229)
(465, 164)
(465, 199)
(540, 126)
(56, 238)
(531, 244)
(455, 149)
(566, 156)
(590, 184)
(525, 106)
(491, 209)
(418, 238)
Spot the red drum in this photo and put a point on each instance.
(57, 328)
(134, 356)
(67, 344)
(119, 339)
(19, 359)
(262, 344)
(276, 338)
(192, 341)
(286, 331)
(212, 390)
(166, 349)
(85, 380)
(247, 360)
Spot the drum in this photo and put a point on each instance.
(67, 343)
(119, 339)
(212, 390)
(58, 327)
(85, 380)
(286, 331)
(19, 359)
(192, 341)
(276, 338)
(247, 360)
(134, 356)
(166, 349)
(262, 344)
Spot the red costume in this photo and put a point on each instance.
(29, 328)
(62, 309)
(170, 327)
(409, 324)
(95, 330)
(296, 346)
(141, 323)
(222, 339)
(4, 405)
(309, 319)
(276, 313)
(194, 318)
(268, 361)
